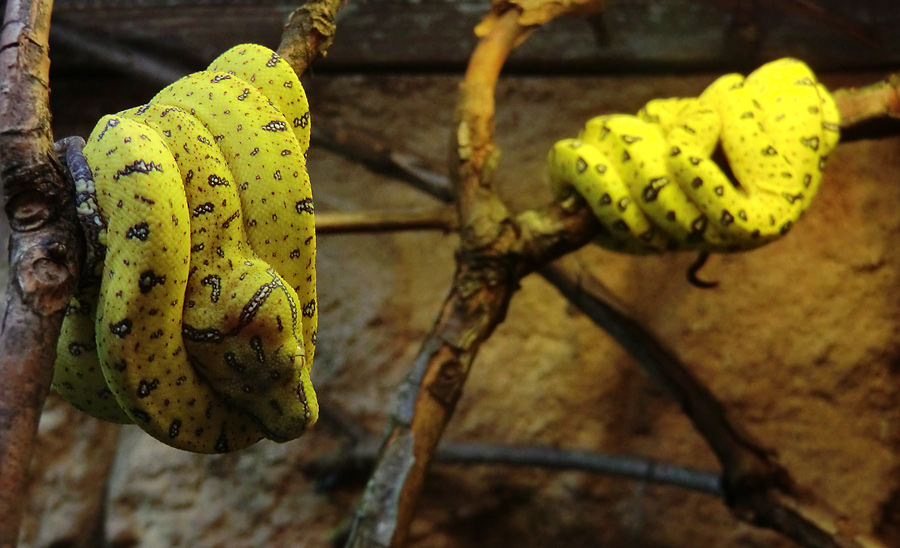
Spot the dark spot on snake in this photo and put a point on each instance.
(769, 151)
(719, 190)
(75, 349)
(138, 166)
(620, 225)
(215, 180)
(689, 129)
(623, 203)
(215, 282)
(606, 199)
(675, 151)
(309, 309)
(295, 254)
(625, 156)
(304, 206)
(196, 248)
(742, 215)
(140, 231)
(231, 361)
(180, 380)
(144, 388)
(277, 175)
(121, 328)
(699, 224)
(140, 415)
(630, 139)
(695, 161)
(156, 334)
(231, 218)
(202, 209)
(174, 428)
(580, 165)
(257, 345)
(786, 227)
(148, 280)
(651, 191)
(111, 123)
(748, 114)
(275, 125)
(727, 218)
(697, 182)
(670, 216)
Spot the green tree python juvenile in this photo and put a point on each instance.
(653, 182)
(198, 320)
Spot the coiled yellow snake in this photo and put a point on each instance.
(199, 325)
(653, 181)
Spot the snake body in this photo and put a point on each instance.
(202, 329)
(730, 170)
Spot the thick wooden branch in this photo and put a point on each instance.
(44, 248)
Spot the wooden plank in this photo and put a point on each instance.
(431, 35)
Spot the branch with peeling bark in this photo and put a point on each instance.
(44, 252)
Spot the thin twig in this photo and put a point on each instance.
(361, 459)
(443, 219)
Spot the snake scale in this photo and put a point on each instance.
(198, 321)
(730, 170)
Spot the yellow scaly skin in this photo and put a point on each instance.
(206, 316)
(653, 182)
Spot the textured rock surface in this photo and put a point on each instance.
(799, 341)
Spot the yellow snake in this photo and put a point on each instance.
(199, 325)
(728, 171)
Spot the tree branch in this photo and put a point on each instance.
(44, 248)
(443, 219)
(359, 461)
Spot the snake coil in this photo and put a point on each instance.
(654, 180)
(197, 319)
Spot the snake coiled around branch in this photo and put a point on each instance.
(730, 170)
(197, 321)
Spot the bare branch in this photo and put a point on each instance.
(309, 33)
(44, 248)
(443, 219)
(361, 458)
